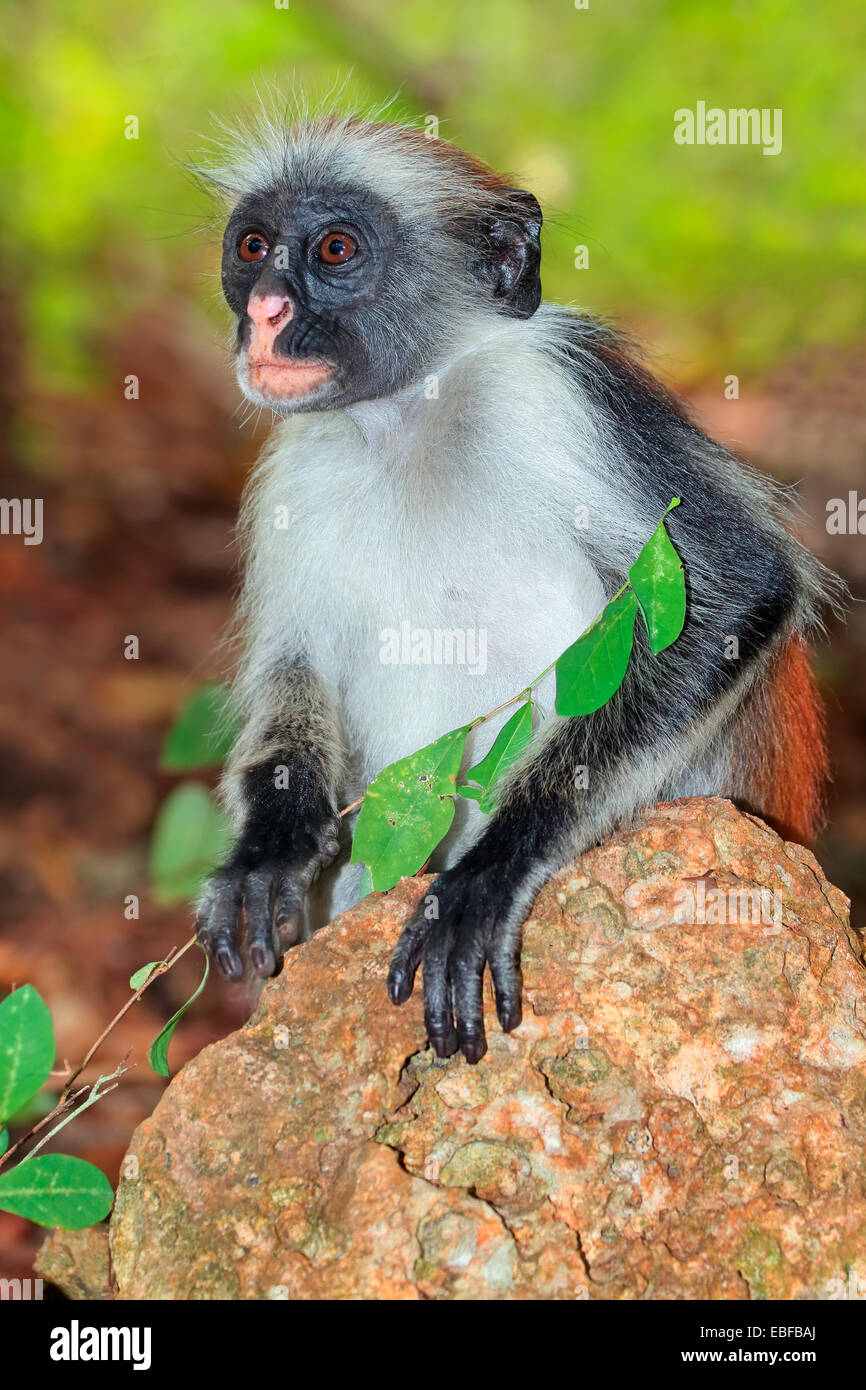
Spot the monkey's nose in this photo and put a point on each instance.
(269, 313)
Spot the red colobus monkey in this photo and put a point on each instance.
(440, 429)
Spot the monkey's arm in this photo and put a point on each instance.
(664, 714)
(282, 784)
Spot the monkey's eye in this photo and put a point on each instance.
(253, 246)
(336, 248)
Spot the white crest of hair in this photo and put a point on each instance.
(362, 146)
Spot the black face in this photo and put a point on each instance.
(311, 281)
(338, 301)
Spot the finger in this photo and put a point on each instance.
(438, 1017)
(288, 912)
(328, 841)
(467, 970)
(407, 958)
(218, 925)
(504, 958)
(259, 914)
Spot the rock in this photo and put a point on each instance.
(680, 1115)
(76, 1263)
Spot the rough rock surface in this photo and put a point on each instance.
(76, 1263)
(682, 1113)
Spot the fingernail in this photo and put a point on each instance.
(262, 960)
(444, 1044)
(474, 1049)
(226, 962)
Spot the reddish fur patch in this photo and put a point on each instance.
(788, 763)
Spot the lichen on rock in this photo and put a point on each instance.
(680, 1114)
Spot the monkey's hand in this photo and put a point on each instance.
(469, 918)
(265, 880)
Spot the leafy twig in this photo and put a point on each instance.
(67, 1101)
(160, 969)
(96, 1093)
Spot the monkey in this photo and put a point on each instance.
(437, 431)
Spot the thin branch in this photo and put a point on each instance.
(95, 1094)
(62, 1104)
(160, 969)
(68, 1098)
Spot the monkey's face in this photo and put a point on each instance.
(330, 303)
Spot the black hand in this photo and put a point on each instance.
(289, 836)
(271, 892)
(477, 923)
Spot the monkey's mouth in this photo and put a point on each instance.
(286, 379)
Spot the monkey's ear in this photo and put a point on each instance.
(507, 257)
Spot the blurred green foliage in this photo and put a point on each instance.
(203, 732)
(728, 259)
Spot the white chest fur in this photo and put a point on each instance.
(423, 555)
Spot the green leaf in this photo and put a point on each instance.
(366, 884)
(4, 1140)
(203, 732)
(143, 974)
(56, 1190)
(593, 668)
(191, 835)
(157, 1053)
(657, 579)
(471, 793)
(408, 809)
(506, 749)
(26, 1048)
